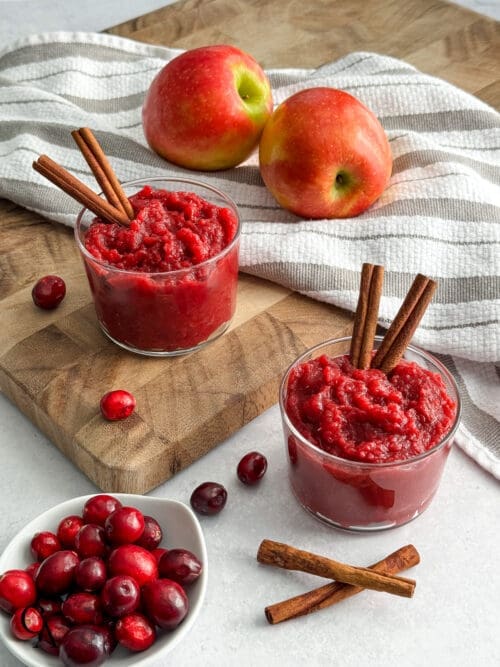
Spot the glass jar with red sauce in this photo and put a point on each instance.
(166, 285)
(366, 451)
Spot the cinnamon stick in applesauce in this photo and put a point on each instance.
(290, 558)
(400, 333)
(330, 594)
(365, 319)
(78, 190)
(102, 170)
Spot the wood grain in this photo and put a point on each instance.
(56, 365)
(436, 36)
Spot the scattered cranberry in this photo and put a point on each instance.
(133, 561)
(83, 645)
(91, 574)
(68, 529)
(152, 534)
(44, 544)
(17, 590)
(252, 468)
(26, 623)
(117, 404)
(135, 632)
(165, 602)
(57, 573)
(124, 525)
(98, 508)
(48, 292)
(180, 565)
(121, 595)
(209, 498)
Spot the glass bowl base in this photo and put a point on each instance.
(371, 528)
(167, 353)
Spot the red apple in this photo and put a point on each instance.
(206, 108)
(323, 154)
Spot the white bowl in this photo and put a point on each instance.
(181, 529)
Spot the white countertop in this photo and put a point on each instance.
(453, 619)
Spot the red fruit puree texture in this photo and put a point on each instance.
(171, 231)
(368, 417)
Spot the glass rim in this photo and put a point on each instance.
(368, 465)
(175, 272)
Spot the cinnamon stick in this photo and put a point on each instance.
(401, 331)
(330, 594)
(365, 319)
(102, 170)
(77, 190)
(290, 558)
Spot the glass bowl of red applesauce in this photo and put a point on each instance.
(165, 284)
(366, 451)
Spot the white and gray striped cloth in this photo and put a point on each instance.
(440, 215)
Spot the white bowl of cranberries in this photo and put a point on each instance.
(102, 579)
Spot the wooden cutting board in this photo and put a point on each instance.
(55, 366)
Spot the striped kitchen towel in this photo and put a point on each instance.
(440, 214)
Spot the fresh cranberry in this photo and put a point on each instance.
(33, 568)
(82, 609)
(55, 629)
(57, 573)
(59, 627)
(165, 602)
(135, 632)
(117, 404)
(133, 561)
(91, 574)
(44, 544)
(17, 590)
(121, 595)
(83, 645)
(68, 528)
(49, 606)
(46, 643)
(252, 468)
(98, 508)
(180, 565)
(108, 632)
(151, 535)
(26, 623)
(158, 553)
(209, 498)
(48, 292)
(124, 526)
(91, 541)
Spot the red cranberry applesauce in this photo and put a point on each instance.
(166, 282)
(369, 421)
(366, 449)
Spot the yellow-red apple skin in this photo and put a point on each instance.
(311, 138)
(193, 114)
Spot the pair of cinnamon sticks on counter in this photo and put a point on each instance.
(116, 207)
(349, 580)
(401, 331)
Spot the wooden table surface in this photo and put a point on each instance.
(438, 38)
